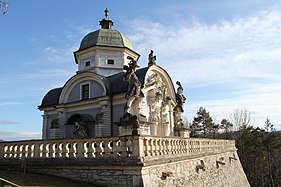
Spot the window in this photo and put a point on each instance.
(85, 91)
(110, 61)
(88, 63)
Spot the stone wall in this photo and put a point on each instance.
(127, 161)
(219, 170)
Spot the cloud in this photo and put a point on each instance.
(15, 136)
(9, 103)
(238, 57)
(215, 52)
(8, 122)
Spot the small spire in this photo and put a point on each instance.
(106, 22)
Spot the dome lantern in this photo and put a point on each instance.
(106, 22)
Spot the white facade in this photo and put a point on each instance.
(96, 101)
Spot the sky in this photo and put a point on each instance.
(227, 54)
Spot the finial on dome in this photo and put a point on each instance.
(106, 22)
(106, 13)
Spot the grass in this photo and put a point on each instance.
(40, 180)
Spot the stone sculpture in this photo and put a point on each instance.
(180, 97)
(80, 131)
(134, 85)
(151, 58)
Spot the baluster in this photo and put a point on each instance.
(156, 147)
(186, 146)
(161, 147)
(8, 151)
(94, 149)
(172, 146)
(185, 149)
(180, 146)
(193, 143)
(80, 149)
(177, 146)
(44, 150)
(106, 149)
(153, 147)
(99, 149)
(71, 150)
(29, 150)
(1, 150)
(149, 146)
(36, 150)
(58, 148)
(145, 147)
(123, 149)
(110, 149)
(18, 151)
(51, 150)
(165, 147)
(90, 150)
(168, 146)
(24, 151)
(13, 151)
(64, 151)
(115, 148)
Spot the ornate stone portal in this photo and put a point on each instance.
(150, 110)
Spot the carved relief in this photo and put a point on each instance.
(159, 105)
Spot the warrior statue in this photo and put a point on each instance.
(134, 85)
(131, 78)
(180, 97)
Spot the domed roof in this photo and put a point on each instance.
(105, 37)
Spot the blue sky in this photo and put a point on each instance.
(227, 54)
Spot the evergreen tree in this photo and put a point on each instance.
(203, 124)
(227, 127)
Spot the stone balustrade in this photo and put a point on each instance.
(122, 146)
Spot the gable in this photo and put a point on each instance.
(71, 91)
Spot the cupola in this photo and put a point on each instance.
(104, 51)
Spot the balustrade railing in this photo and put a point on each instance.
(123, 146)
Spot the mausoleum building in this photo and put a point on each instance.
(110, 95)
(114, 123)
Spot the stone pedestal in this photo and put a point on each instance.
(132, 125)
(185, 133)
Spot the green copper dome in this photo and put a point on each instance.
(105, 37)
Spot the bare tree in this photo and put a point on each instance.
(3, 6)
(268, 125)
(240, 118)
